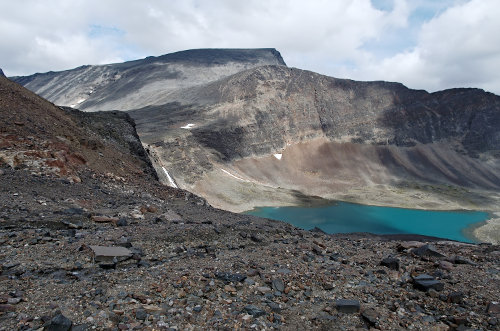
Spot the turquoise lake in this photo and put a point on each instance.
(343, 217)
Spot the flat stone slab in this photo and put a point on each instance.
(347, 306)
(110, 253)
(104, 219)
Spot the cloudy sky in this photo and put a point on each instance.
(425, 44)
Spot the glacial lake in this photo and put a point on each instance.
(343, 217)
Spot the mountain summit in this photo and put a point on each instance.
(140, 83)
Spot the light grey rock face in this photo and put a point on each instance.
(140, 83)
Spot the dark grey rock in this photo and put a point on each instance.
(462, 260)
(317, 230)
(456, 297)
(390, 262)
(73, 224)
(229, 277)
(274, 307)
(59, 323)
(370, 316)
(278, 284)
(347, 306)
(122, 222)
(426, 251)
(257, 237)
(254, 311)
(141, 314)
(493, 308)
(425, 282)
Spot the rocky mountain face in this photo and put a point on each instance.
(140, 83)
(248, 138)
(89, 239)
(241, 129)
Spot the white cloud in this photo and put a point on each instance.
(458, 47)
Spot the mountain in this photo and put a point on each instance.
(89, 239)
(135, 84)
(241, 129)
(261, 136)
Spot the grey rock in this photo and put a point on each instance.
(229, 277)
(456, 297)
(59, 323)
(141, 314)
(278, 284)
(370, 316)
(122, 222)
(73, 224)
(462, 260)
(274, 307)
(110, 254)
(493, 308)
(390, 262)
(256, 237)
(426, 251)
(347, 306)
(284, 271)
(254, 311)
(425, 282)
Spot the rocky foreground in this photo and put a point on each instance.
(104, 254)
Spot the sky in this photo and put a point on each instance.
(424, 44)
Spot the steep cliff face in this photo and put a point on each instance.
(136, 84)
(276, 127)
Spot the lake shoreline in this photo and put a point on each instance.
(455, 222)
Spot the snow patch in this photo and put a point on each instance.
(78, 102)
(278, 156)
(230, 174)
(170, 180)
(187, 126)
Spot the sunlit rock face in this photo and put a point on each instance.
(140, 83)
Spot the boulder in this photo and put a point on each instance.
(390, 262)
(347, 306)
(426, 282)
(59, 323)
(110, 254)
(426, 251)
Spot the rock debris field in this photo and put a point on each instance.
(107, 255)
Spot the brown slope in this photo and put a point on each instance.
(46, 139)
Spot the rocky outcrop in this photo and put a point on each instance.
(140, 83)
(1, 73)
(49, 140)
